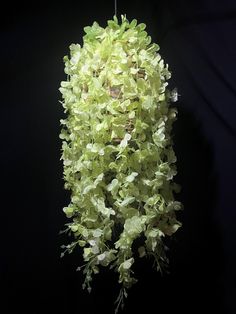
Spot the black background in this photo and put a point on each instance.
(197, 40)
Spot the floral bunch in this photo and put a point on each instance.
(117, 150)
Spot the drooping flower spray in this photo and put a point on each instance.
(117, 150)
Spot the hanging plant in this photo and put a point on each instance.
(117, 150)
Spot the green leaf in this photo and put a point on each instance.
(82, 243)
(134, 225)
(87, 252)
(133, 23)
(115, 19)
(113, 185)
(141, 26)
(125, 140)
(127, 201)
(87, 29)
(131, 177)
(97, 233)
(101, 257)
(69, 211)
(127, 264)
(74, 228)
(99, 179)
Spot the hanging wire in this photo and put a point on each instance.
(115, 3)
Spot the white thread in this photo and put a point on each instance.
(115, 7)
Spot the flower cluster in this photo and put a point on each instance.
(117, 150)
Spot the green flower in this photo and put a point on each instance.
(117, 150)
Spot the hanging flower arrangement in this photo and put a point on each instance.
(117, 150)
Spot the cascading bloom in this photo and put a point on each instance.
(117, 150)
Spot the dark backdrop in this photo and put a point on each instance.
(197, 40)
